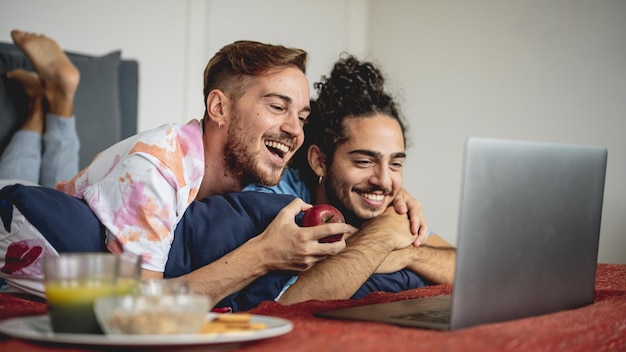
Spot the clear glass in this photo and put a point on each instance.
(73, 281)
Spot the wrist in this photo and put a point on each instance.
(381, 236)
(260, 257)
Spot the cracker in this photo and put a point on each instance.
(235, 322)
(234, 317)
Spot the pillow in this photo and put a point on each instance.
(96, 104)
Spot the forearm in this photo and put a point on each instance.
(434, 263)
(339, 276)
(229, 274)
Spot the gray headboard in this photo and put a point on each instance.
(105, 103)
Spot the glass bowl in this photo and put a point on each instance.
(161, 307)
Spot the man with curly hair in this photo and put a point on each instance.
(352, 159)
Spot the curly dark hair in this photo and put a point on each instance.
(354, 89)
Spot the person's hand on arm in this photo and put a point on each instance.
(404, 203)
(433, 261)
(283, 245)
(339, 276)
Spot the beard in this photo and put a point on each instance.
(241, 161)
(338, 195)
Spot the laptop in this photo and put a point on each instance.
(528, 236)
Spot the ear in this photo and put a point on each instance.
(217, 103)
(317, 160)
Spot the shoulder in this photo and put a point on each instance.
(171, 142)
(191, 130)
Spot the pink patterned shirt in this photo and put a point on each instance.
(140, 188)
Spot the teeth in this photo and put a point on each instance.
(374, 197)
(282, 147)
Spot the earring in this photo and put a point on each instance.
(219, 125)
(319, 181)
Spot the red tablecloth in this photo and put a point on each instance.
(600, 326)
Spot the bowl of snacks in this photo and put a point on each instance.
(159, 307)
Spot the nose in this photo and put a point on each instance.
(292, 125)
(382, 178)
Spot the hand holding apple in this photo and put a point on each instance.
(322, 214)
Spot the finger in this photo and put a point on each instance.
(349, 234)
(328, 229)
(422, 235)
(400, 204)
(330, 248)
(294, 207)
(414, 225)
(416, 216)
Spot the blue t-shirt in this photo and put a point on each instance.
(290, 183)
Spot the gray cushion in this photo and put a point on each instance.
(129, 97)
(97, 101)
(97, 104)
(13, 100)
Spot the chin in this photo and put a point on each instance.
(366, 214)
(270, 179)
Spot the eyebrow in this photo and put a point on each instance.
(287, 99)
(376, 154)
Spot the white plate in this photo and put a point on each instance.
(37, 328)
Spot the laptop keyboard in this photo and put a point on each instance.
(438, 316)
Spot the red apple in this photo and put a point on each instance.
(321, 214)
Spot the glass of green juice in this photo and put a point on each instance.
(74, 281)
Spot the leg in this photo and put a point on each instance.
(59, 80)
(21, 160)
(32, 86)
(60, 150)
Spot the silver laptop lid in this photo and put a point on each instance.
(528, 229)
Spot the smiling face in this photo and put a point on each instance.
(366, 171)
(266, 125)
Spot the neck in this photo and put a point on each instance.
(217, 183)
(216, 179)
(318, 195)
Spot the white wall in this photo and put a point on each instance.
(548, 70)
(323, 28)
(150, 31)
(551, 70)
(173, 40)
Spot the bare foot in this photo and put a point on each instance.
(32, 86)
(59, 77)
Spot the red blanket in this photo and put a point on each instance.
(597, 327)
